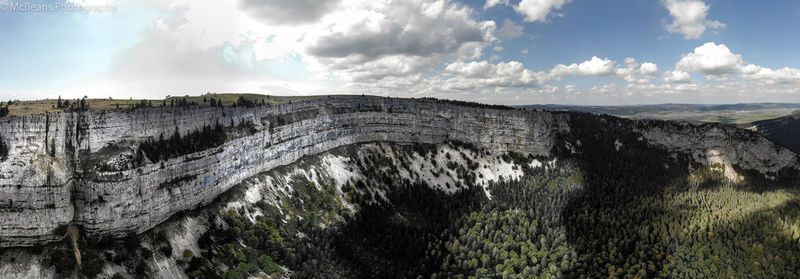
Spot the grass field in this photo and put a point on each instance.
(49, 105)
(740, 115)
(730, 117)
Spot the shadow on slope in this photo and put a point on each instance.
(783, 130)
(640, 211)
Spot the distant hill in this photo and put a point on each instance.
(733, 114)
(782, 130)
(779, 122)
(633, 110)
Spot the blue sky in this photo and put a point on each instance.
(633, 28)
(500, 51)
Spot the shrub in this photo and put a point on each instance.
(267, 265)
(233, 274)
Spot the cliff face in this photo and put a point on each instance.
(79, 167)
(82, 167)
(720, 144)
(36, 177)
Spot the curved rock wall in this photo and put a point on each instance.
(77, 167)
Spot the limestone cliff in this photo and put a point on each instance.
(79, 167)
(719, 144)
(82, 168)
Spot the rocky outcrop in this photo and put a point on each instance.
(720, 144)
(80, 167)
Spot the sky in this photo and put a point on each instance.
(514, 52)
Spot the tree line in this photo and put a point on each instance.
(176, 145)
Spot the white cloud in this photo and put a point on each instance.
(483, 74)
(648, 68)
(718, 62)
(677, 76)
(605, 89)
(372, 40)
(510, 30)
(630, 62)
(782, 75)
(689, 18)
(538, 10)
(711, 59)
(287, 12)
(524, 51)
(492, 3)
(605, 67)
(593, 67)
(348, 41)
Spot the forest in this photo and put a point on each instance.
(176, 145)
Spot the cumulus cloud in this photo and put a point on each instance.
(711, 59)
(412, 28)
(594, 67)
(514, 80)
(532, 10)
(466, 75)
(538, 10)
(402, 38)
(287, 12)
(510, 30)
(605, 67)
(689, 18)
(345, 40)
(782, 75)
(718, 62)
(677, 76)
(648, 68)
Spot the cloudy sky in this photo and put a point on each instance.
(493, 51)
